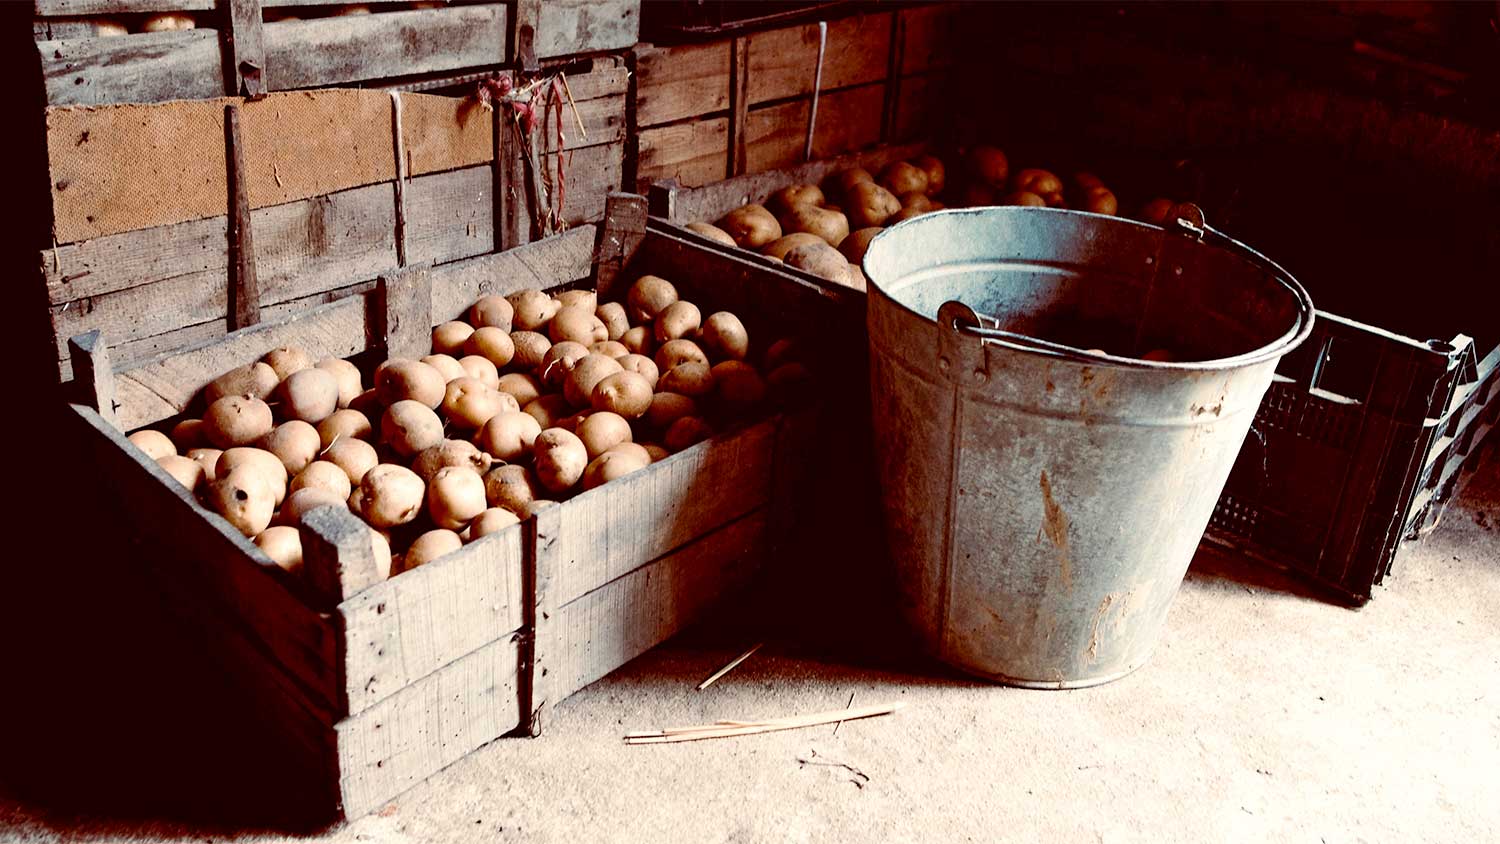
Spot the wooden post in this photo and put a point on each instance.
(510, 163)
(620, 234)
(406, 304)
(338, 554)
(244, 288)
(891, 105)
(528, 15)
(94, 375)
(739, 105)
(243, 49)
(538, 645)
(398, 143)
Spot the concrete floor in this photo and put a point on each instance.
(1264, 715)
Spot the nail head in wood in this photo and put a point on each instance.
(338, 554)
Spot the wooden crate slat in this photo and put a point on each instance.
(931, 31)
(329, 51)
(144, 67)
(847, 120)
(608, 627)
(662, 507)
(585, 26)
(782, 60)
(449, 215)
(922, 103)
(592, 173)
(410, 626)
(67, 8)
(692, 153)
(677, 82)
(427, 726)
(219, 564)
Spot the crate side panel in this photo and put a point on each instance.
(783, 61)
(677, 82)
(586, 26)
(149, 67)
(450, 215)
(692, 153)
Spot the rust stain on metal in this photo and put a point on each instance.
(1098, 618)
(1055, 526)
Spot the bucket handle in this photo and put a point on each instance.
(1187, 222)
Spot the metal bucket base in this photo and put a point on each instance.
(1055, 685)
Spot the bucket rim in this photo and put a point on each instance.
(1301, 328)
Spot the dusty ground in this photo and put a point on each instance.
(1264, 715)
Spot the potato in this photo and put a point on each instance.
(306, 500)
(1084, 182)
(915, 203)
(492, 344)
(492, 520)
(156, 444)
(559, 361)
(259, 460)
(607, 467)
(638, 340)
(348, 378)
(344, 424)
(355, 457)
(1033, 180)
(324, 475)
(1100, 201)
(533, 507)
(789, 382)
(449, 338)
(531, 347)
(616, 321)
(601, 431)
(108, 28)
(295, 443)
(509, 436)
(656, 452)
(689, 379)
(578, 325)
(283, 544)
(392, 495)
(631, 449)
(381, 548)
(1159, 355)
(786, 243)
(625, 393)
(649, 296)
(737, 386)
(723, 337)
(492, 311)
(667, 408)
(310, 395)
(511, 487)
(208, 458)
(712, 232)
(369, 404)
(854, 246)
(686, 432)
(286, 360)
(531, 309)
(782, 351)
(409, 380)
(475, 366)
(676, 352)
(446, 365)
(830, 226)
(257, 380)
(168, 22)
(856, 278)
(461, 453)
(821, 260)
(468, 403)
(793, 196)
(870, 205)
(560, 459)
(1024, 198)
(677, 320)
(937, 176)
(455, 497)
(989, 165)
(845, 180)
(901, 177)
(244, 497)
(979, 195)
(188, 434)
(237, 420)
(612, 348)
(184, 470)
(751, 226)
(570, 423)
(588, 300)
(906, 213)
(430, 546)
(410, 426)
(586, 374)
(642, 366)
(548, 410)
(1157, 211)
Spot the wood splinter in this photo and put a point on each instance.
(733, 664)
(730, 729)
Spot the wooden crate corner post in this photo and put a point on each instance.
(620, 235)
(94, 375)
(338, 554)
(406, 310)
(539, 643)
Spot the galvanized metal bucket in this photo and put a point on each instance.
(1044, 487)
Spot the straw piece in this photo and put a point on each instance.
(722, 730)
(730, 667)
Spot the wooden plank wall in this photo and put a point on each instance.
(884, 78)
(140, 202)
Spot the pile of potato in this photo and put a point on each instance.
(530, 400)
(807, 227)
(990, 181)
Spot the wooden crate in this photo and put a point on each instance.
(376, 685)
(254, 46)
(706, 112)
(326, 193)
